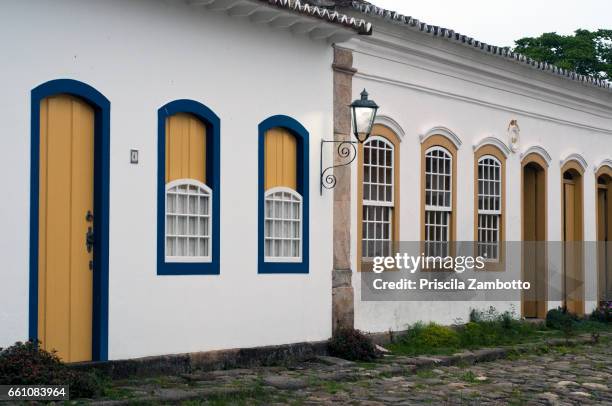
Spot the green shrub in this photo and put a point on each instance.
(561, 319)
(28, 364)
(475, 316)
(486, 328)
(474, 334)
(438, 336)
(603, 313)
(426, 339)
(353, 345)
(508, 320)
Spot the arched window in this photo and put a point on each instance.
(188, 187)
(378, 197)
(438, 200)
(188, 221)
(283, 225)
(283, 194)
(439, 195)
(489, 207)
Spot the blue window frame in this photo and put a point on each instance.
(213, 157)
(302, 171)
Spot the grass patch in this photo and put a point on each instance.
(468, 376)
(485, 329)
(368, 365)
(164, 381)
(116, 393)
(314, 380)
(254, 394)
(434, 339)
(471, 377)
(333, 387)
(425, 373)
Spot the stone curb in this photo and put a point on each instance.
(205, 361)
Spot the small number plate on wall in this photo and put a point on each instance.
(133, 156)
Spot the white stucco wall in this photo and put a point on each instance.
(422, 82)
(141, 55)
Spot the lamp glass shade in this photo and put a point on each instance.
(364, 114)
(363, 119)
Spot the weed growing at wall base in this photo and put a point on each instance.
(603, 313)
(488, 329)
(353, 345)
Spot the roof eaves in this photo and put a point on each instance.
(358, 25)
(504, 52)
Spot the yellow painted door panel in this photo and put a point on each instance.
(185, 148)
(604, 209)
(280, 159)
(569, 237)
(65, 284)
(530, 305)
(572, 255)
(534, 233)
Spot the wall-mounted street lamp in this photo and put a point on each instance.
(363, 114)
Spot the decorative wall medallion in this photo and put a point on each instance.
(514, 133)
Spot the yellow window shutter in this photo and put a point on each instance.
(185, 148)
(280, 159)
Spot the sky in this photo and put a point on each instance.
(501, 22)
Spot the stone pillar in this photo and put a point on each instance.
(343, 313)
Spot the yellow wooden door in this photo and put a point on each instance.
(185, 148)
(534, 236)
(604, 250)
(602, 260)
(604, 226)
(572, 256)
(280, 159)
(530, 308)
(65, 280)
(568, 251)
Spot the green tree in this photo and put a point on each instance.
(586, 52)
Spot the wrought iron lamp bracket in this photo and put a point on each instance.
(346, 150)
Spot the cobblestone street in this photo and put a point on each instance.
(560, 375)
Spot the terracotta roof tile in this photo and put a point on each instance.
(361, 26)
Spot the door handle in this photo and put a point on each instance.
(89, 239)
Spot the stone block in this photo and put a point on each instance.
(343, 308)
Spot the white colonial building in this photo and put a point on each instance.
(446, 97)
(163, 161)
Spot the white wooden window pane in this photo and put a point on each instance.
(489, 207)
(378, 197)
(438, 200)
(282, 225)
(438, 179)
(188, 222)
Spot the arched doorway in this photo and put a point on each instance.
(69, 220)
(604, 233)
(534, 259)
(572, 231)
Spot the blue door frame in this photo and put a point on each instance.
(101, 107)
